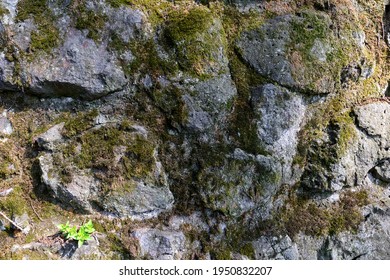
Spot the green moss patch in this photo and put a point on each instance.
(46, 36)
(147, 59)
(189, 31)
(116, 154)
(317, 55)
(302, 215)
(3, 11)
(15, 203)
(88, 19)
(80, 123)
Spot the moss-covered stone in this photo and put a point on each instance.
(170, 101)
(243, 127)
(155, 10)
(87, 19)
(3, 11)
(303, 215)
(80, 123)
(191, 33)
(147, 59)
(15, 203)
(46, 36)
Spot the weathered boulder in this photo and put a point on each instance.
(297, 51)
(79, 174)
(51, 137)
(363, 153)
(209, 103)
(81, 69)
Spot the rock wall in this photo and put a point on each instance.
(195, 129)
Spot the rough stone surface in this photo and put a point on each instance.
(5, 126)
(265, 50)
(76, 193)
(195, 130)
(143, 198)
(275, 248)
(50, 138)
(160, 244)
(81, 69)
(368, 149)
(279, 116)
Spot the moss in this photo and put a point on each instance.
(310, 72)
(7, 161)
(97, 148)
(243, 127)
(307, 29)
(303, 215)
(155, 10)
(222, 254)
(80, 123)
(147, 60)
(3, 11)
(46, 37)
(139, 158)
(170, 101)
(248, 250)
(189, 31)
(235, 23)
(15, 203)
(29, 255)
(88, 19)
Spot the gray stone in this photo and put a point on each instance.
(279, 114)
(240, 185)
(320, 50)
(77, 193)
(265, 49)
(382, 171)
(141, 197)
(368, 148)
(5, 126)
(208, 103)
(50, 139)
(275, 248)
(126, 23)
(144, 201)
(367, 244)
(279, 51)
(10, 5)
(160, 244)
(80, 69)
(55, 250)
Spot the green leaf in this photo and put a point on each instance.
(81, 235)
(89, 227)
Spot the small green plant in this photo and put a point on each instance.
(81, 234)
